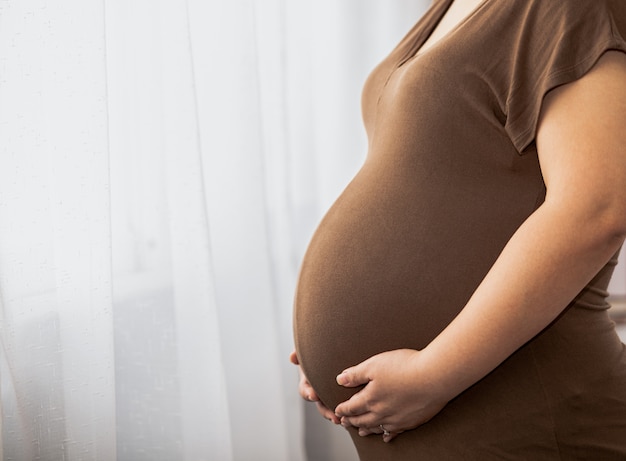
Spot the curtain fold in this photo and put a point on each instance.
(163, 164)
(55, 238)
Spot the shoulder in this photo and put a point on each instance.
(569, 6)
(565, 11)
(558, 42)
(560, 14)
(602, 87)
(538, 25)
(586, 153)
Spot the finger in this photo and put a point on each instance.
(345, 422)
(327, 413)
(367, 420)
(387, 436)
(293, 358)
(365, 431)
(354, 376)
(390, 437)
(378, 430)
(356, 405)
(306, 390)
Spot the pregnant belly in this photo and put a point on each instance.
(385, 270)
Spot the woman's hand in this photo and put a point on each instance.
(400, 394)
(308, 393)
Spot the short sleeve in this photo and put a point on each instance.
(560, 41)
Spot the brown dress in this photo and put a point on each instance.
(451, 173)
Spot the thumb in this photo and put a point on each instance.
(354, 376)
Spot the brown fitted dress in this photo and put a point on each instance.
(451, 173)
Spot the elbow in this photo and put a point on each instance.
(616, 235)
(619, 226)
(610, 222)
(601, 220)
(590, 208)
(618, 232)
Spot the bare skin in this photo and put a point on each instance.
(307, 392)
(458, 11)
(583, 161)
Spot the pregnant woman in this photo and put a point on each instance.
(452, 303)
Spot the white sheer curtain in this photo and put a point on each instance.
(162, 166)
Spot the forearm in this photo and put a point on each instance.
(543, 267)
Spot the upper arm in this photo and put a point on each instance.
(581, 141)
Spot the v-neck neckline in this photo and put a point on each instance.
(433, 18)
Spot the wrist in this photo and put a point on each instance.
(439, 374)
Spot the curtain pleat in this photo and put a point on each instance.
(163, 164)
(55, 237)
(232, 138)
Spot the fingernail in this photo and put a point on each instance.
(342, 378)
(362, 433)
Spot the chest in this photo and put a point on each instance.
(443, 68)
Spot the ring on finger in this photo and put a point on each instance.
(385, 431)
